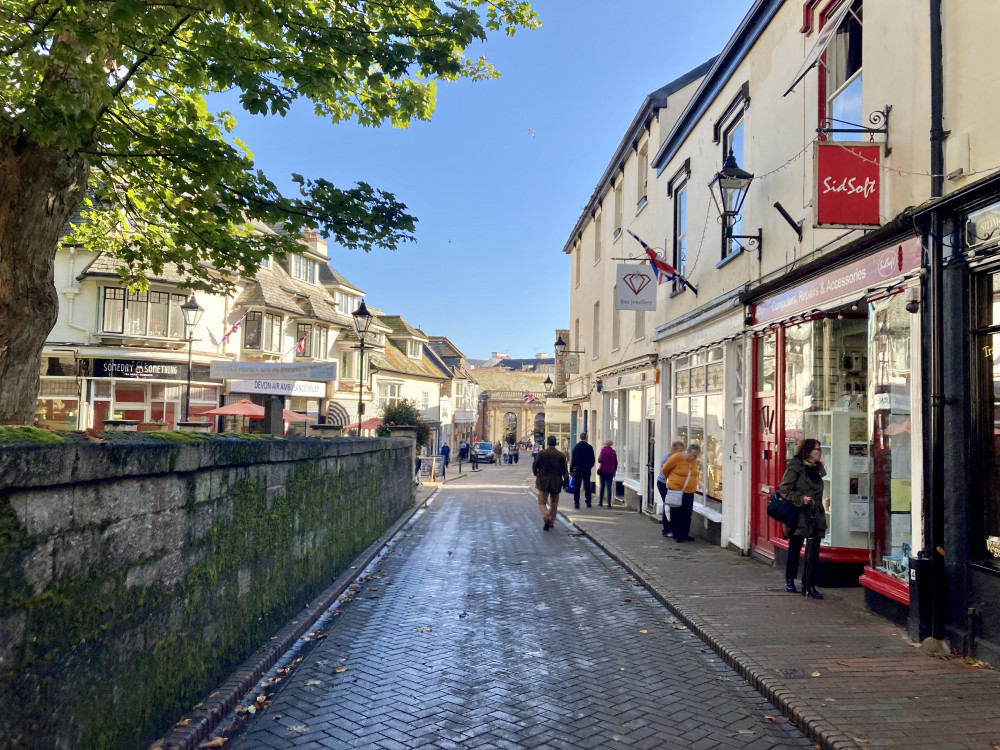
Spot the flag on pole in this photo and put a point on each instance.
(235, 328)
(529, 397)
(300, 345)
(661, 269)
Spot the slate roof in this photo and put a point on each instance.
(275, 288)
(400, 327)
(444, 348)
(393, 360)
(107, 265)
(328, 275)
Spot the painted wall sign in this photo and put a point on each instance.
(848, 178)
(635, 288)
(871, 271)
(139, 368)
(279, 387)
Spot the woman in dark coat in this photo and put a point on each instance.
(803, 485)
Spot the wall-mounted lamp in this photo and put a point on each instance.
(548, 384)
(561, 349)
(729, 190)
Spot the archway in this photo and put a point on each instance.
(539, 431)
(510, 428)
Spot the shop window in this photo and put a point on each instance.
(826, 386)
(841, 86)
(767, 351)
(892, 427)
(986, 410)
(130, 394)
(633, 437)
(700, 416)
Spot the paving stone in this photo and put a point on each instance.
(530, 645)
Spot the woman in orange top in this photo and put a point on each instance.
(681, 471)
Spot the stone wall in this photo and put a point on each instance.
(136, 575)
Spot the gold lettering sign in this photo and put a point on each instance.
(993, 545)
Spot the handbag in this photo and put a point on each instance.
(782, 509)
(674, 498)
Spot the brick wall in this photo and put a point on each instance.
(136, 575)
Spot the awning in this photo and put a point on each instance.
(822, 42)
(336, 413)
(369, 424)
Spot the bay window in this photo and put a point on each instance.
(156, 314)
(262, 332)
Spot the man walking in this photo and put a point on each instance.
(581, 463)
(446, 452)
(549, 468)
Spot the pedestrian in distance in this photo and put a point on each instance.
(497, 452)
(681, 471)
(474, 455)
(802, 483)
(661, 483)
(446, 453)
(517, 453)
(582, 463)
(607, 466)
(506, 453)
(549, 468)
(417, 477)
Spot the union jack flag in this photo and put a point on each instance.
(661, 269)
(235, 328)
(300, 345)
(529, 397)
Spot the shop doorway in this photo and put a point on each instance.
(768, 463)
(651, 468)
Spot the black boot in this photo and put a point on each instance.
(790, 586)
(812, 592)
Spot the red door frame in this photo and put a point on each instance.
(768, 440)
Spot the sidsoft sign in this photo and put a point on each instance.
(873, 270)
(848, 178)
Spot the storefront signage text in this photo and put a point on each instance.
(635, 288)
(982, 225)
(139, 368)
(871, 271)
(277, 370)
(847, 184)
(279, 387)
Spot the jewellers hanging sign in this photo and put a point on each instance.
(635, 288)
(848, 181)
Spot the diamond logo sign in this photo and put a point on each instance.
(636, 282)
(634, 288)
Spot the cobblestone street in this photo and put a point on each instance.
(480, 630)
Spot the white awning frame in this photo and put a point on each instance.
(823, 39)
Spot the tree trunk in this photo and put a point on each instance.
(40, 189)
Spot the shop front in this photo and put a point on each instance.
(701, 359)
(149, 391)
(837, 358)
(629, 395)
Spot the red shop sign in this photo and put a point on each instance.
(848, 179)
(873, 270)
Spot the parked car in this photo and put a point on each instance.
(485, 452)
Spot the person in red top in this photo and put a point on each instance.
(607, 466)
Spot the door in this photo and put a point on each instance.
(768, 460)
(651, 468)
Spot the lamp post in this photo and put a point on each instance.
(547, 384)
(362, 322)
(192, 314)
(560, 347)
(483, 398)
(729, 190)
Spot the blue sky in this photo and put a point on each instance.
(495, 203)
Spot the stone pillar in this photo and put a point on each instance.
(274, 423)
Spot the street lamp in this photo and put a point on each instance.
(548, 384)
(192, 314)
(729, 190)
(483, 398)
(561, 349)
(362, 322)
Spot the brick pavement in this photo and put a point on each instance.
(481, 631)
(874, 689)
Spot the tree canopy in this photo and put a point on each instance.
(122, 84)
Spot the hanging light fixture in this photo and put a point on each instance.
(729, 190)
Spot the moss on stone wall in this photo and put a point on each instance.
(112, 657)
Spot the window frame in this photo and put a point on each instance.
(597, 330)
(642, 176)
(174, 317)
(307, 330)
(302, 268)
(619, 209)
(677, 191)
(825, 97)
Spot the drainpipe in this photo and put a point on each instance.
(70, 293)
(937, 405)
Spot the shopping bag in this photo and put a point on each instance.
(782, 509)
(674, 498)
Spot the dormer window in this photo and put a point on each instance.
(414, 349)
(345, 303)
(303, 269)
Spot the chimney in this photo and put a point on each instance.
(315, 243)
